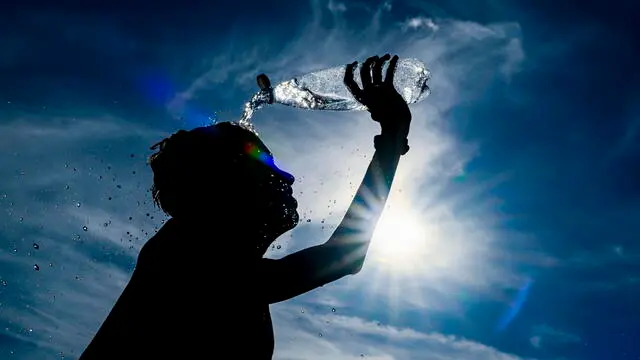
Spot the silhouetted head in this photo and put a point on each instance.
(223, 172)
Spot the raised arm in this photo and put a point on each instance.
(344, 253)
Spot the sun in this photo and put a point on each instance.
(399, 240)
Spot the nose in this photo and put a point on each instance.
(286, 177)
(279, 173)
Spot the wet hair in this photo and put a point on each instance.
(190, 161)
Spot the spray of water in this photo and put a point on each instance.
(258, 100)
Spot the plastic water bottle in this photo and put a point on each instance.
(325, 89)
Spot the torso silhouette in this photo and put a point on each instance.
(187, 299)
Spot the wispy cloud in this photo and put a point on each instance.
(546, 336)
(312, 335)
(336, 7)
(67, 245)
(420, 22)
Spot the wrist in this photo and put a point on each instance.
(391, 142)
(397, 126)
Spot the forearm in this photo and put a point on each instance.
(344, 253)
(352, 237)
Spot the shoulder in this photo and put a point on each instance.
(159, 245)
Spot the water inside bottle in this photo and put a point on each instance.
(325, 89)
(317, 91)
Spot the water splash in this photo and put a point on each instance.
(258, 100)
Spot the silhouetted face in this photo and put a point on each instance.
(268, 190)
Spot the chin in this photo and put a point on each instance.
(282, 217)
(294, 219)
(287, 222)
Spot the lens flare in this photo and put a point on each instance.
(515, 306)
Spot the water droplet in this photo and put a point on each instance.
(333, 309)
(36, 246)
(110, 198)
(132, 155)
(84, 228)
(308, 220)
(302, 310)
(36, 267)
(320, 334)
(21, 219)
(130, 217)
(119, 186)
(67, 187)
(78, 204)
(279, 247)
(3, 282)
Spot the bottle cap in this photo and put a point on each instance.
(263, 82)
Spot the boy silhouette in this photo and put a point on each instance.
(201, 287)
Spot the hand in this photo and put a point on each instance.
(380, 97)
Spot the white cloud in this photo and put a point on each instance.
(336, 7)
(546, 336)
(41, 133)
(419, 22)
(535, 341)
(334, 336)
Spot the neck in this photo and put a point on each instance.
(240, 235)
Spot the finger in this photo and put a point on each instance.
(376, 72)
(365, 72)
(391, 70)
(350, 83)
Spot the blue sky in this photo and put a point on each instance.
(523, 176)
